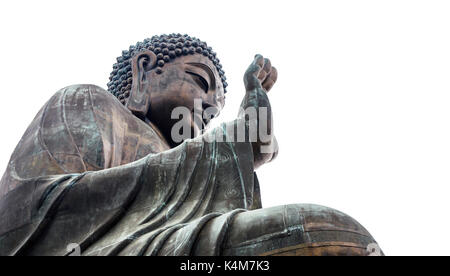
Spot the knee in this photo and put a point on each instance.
(306, 227)
(326, 231)
(321, 218)
(309, 217)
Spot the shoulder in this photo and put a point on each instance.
(83, 87)
(85, 91)
(70, 129)
(86, 98)
(90, 113)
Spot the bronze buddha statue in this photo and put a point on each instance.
(102, 169)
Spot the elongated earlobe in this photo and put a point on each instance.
(139, 100)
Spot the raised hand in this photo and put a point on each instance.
(260, 74)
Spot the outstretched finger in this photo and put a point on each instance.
(259, 60)
(265, 70)
(271, 79)
(257, 64)
(267, 65)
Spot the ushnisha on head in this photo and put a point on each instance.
(166, 72)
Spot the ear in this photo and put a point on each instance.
(139, 100)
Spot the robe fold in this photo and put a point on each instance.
(88, 172)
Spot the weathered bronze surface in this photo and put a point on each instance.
(105, 173)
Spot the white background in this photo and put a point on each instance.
(361, 105)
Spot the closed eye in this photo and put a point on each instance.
(200, 81)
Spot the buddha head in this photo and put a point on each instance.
(165, 72)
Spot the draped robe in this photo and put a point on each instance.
(88, 172)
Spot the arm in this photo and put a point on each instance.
(256, 112)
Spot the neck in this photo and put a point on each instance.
(158, 132)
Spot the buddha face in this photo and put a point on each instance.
(190, 82)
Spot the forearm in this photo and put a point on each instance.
(256, 114)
